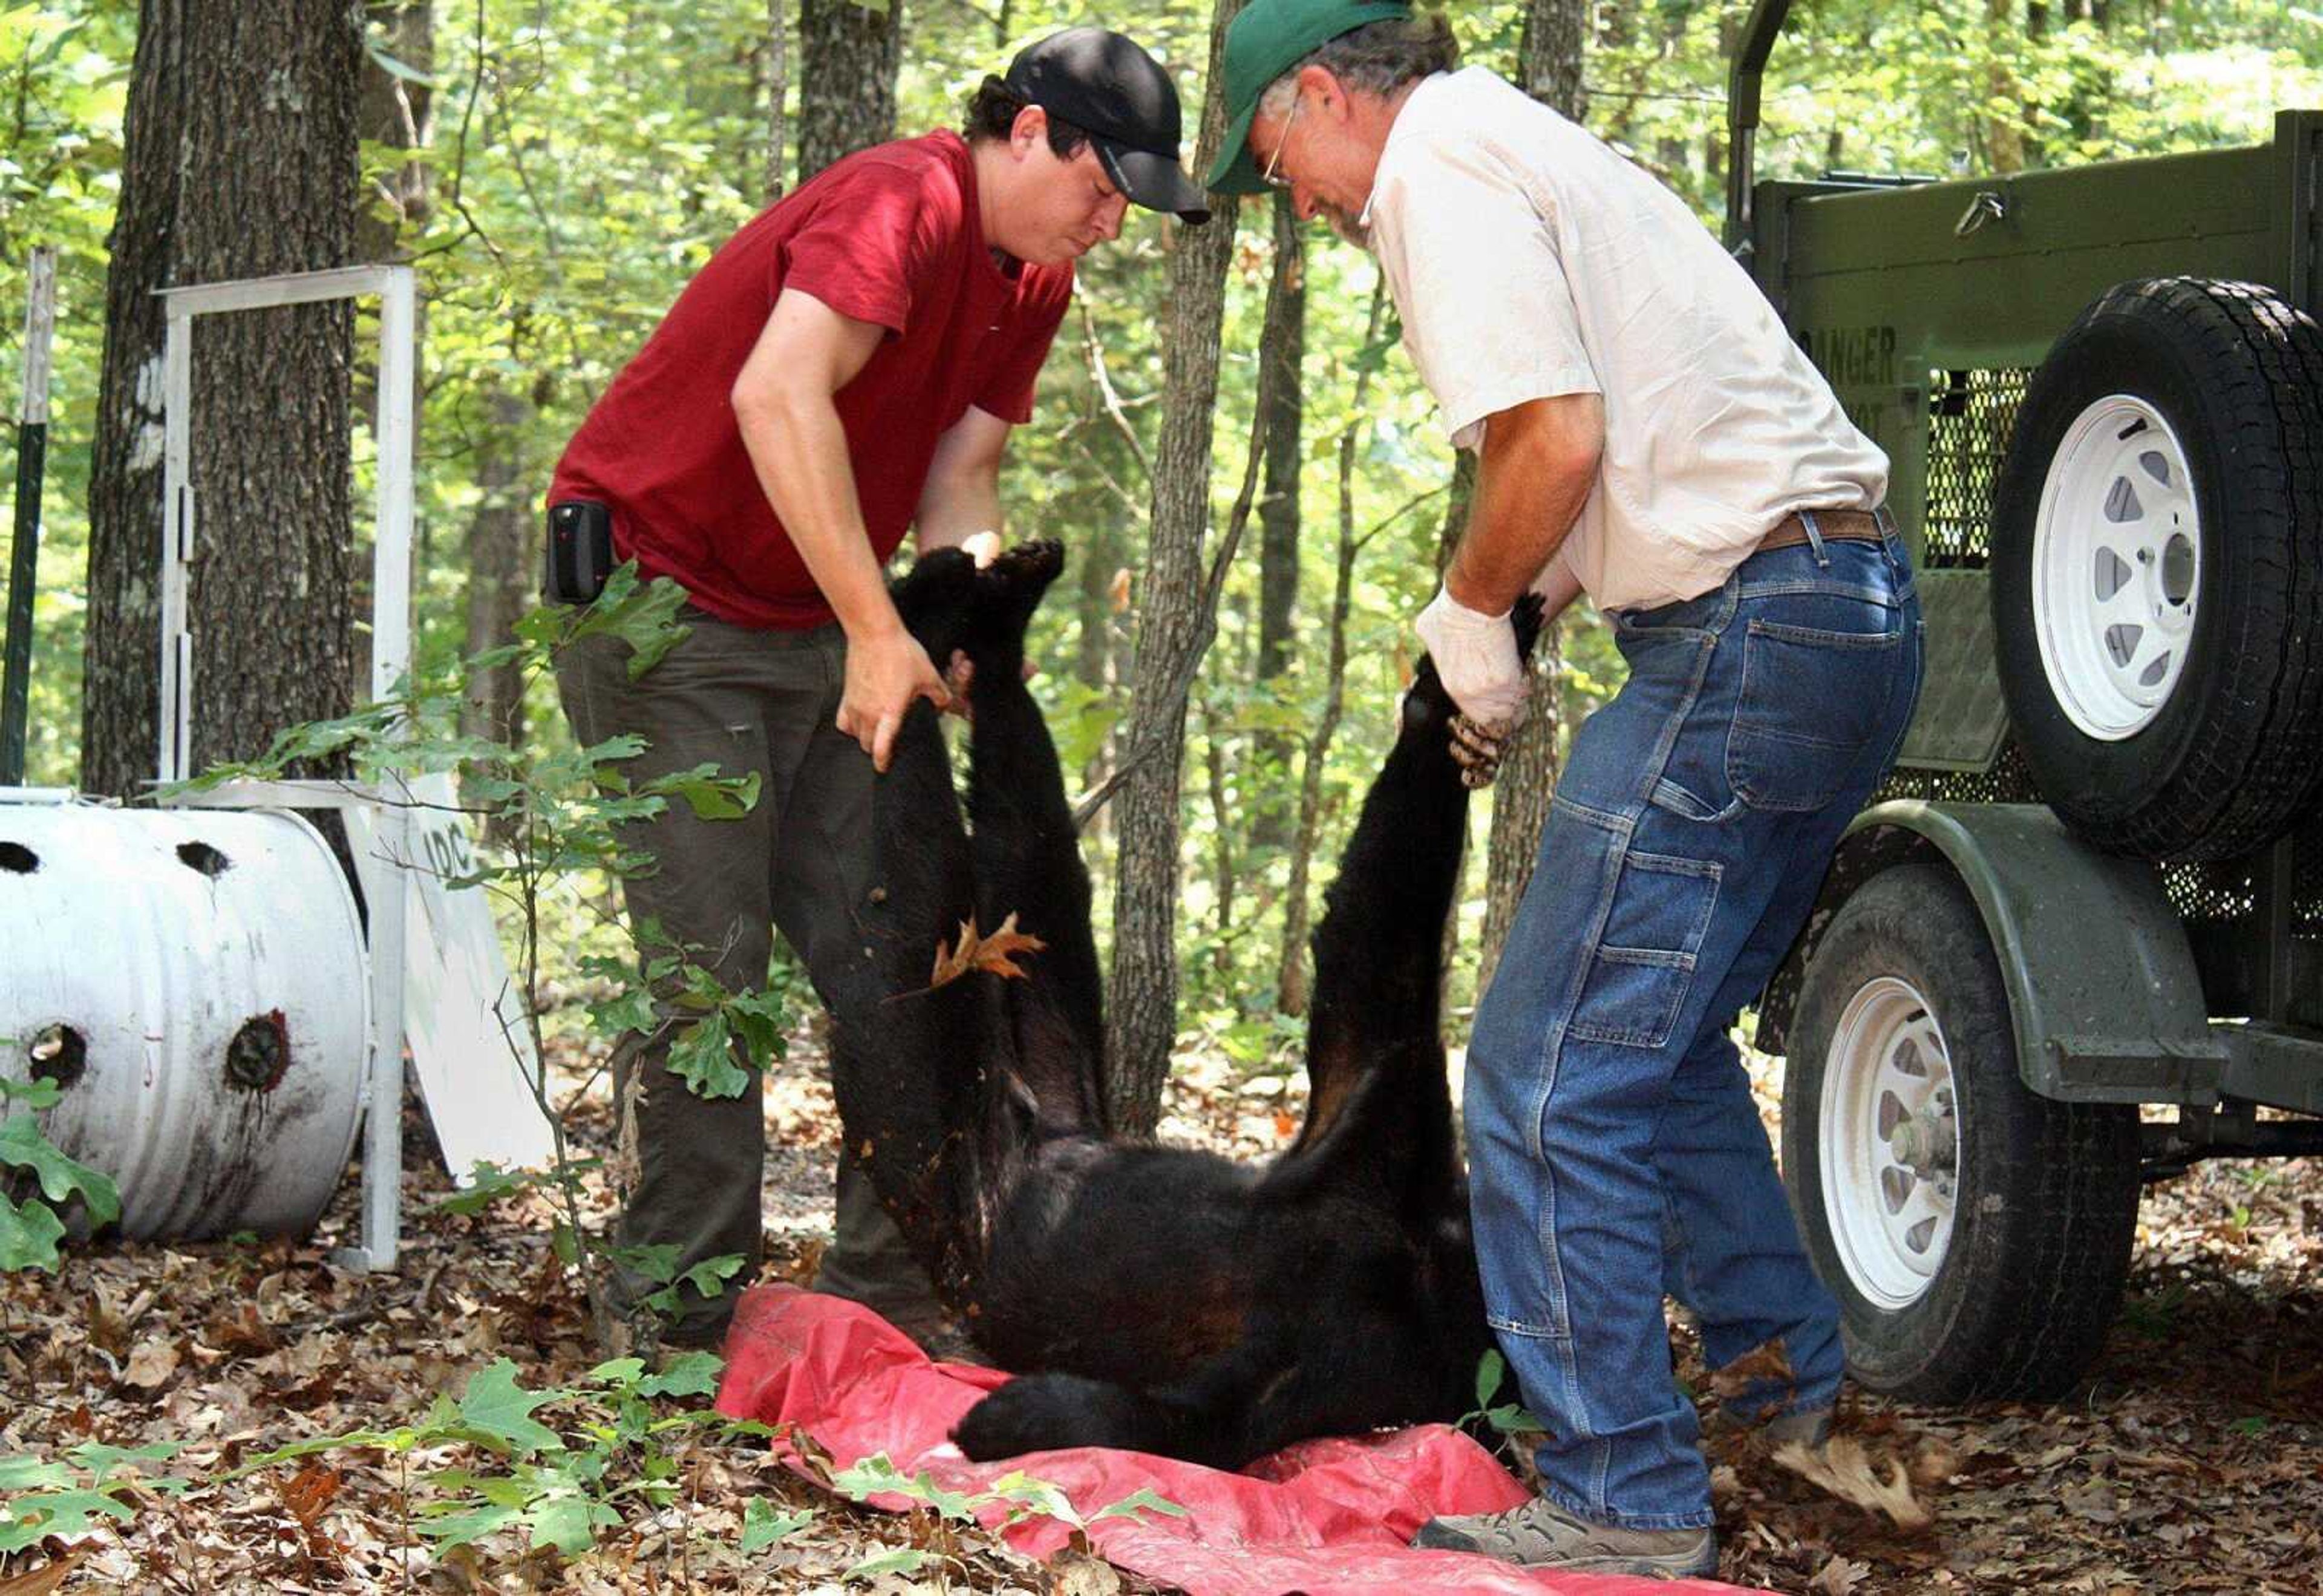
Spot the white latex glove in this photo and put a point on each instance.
(1476, 656)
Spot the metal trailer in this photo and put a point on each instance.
(2095, 881)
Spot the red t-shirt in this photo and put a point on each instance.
(889, 235)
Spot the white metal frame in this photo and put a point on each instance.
(391, 657)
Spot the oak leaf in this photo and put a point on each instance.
(1842, 1467)
(993, 954)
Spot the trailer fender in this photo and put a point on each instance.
(2102, 990)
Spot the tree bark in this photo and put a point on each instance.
(399, 114)
(1551, 66)
(1142, 1016)
(499, 560)
(1548, 54)
(1282, 359)
(779, 89)
(848, 56)
(239, 161)
(1290, 978)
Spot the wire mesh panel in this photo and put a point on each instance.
(2006, 781)
(1971, 415)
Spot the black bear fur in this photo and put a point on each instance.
(1156, 1299)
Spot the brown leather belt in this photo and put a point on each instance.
(1847, 526)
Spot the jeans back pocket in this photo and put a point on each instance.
(1812, 703)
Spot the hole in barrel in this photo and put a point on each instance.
(202, 857)
(18, 859)
(259, 1053)
(60, 1054)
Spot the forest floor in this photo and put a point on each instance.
(2191, 1460)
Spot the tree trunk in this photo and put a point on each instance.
(779, 89)
(847, 56)
(1143, 1006)
(499, 561)
(1281, 357)
(1551, 52)
(239, 161)
(1290, 978)
(1548, 54)
(398, 113)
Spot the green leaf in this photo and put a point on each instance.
(23, 1472)
(691, 1374)
(710, 796)
(632, 1011)
(458, 1529)
(1136, 1502)
(616, 1371)
(1491, 1368)
(702, 1055)
(101, 1460)
(901, 1560)
(21, 1143)
(495, 1405)
(29, 1236)
(39, 1091)
(762, 1527)
(702, 1277)
(656, 1260)
(27, 1519)
(1037, 1495)
(758, 1018)
(1510, 1420)
(492, 1184)
(567, 1522)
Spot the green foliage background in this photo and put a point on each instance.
(589, 154)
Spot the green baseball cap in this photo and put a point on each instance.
(1265, 39)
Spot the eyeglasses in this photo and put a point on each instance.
(1268, 177)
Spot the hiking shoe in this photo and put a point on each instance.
(1539, 1534)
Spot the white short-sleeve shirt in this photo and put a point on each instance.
(1527, 261)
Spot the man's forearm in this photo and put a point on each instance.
(957, 509)
(798, 447)
(1537, 469)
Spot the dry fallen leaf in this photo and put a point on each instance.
(1842, 1467)
(152, 1365)
(1839, 1577)
(311, 1492)
(41, 1580)
(1769, 1362)
(990, 954)
(1073, 1575)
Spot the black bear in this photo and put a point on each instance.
(1150, 1297)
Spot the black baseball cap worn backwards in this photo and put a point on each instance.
(1106, 85)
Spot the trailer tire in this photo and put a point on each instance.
(2157, 569)
(1976, 1236)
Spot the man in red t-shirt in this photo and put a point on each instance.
(845, 369)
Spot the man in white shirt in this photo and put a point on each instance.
(1648, 433)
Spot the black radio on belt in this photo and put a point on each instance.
(580, 551)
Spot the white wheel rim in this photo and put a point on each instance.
(1889, 1135)
(2116, 568)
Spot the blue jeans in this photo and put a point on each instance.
(1614, 1152)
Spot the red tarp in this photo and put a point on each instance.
(1325, 1515)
